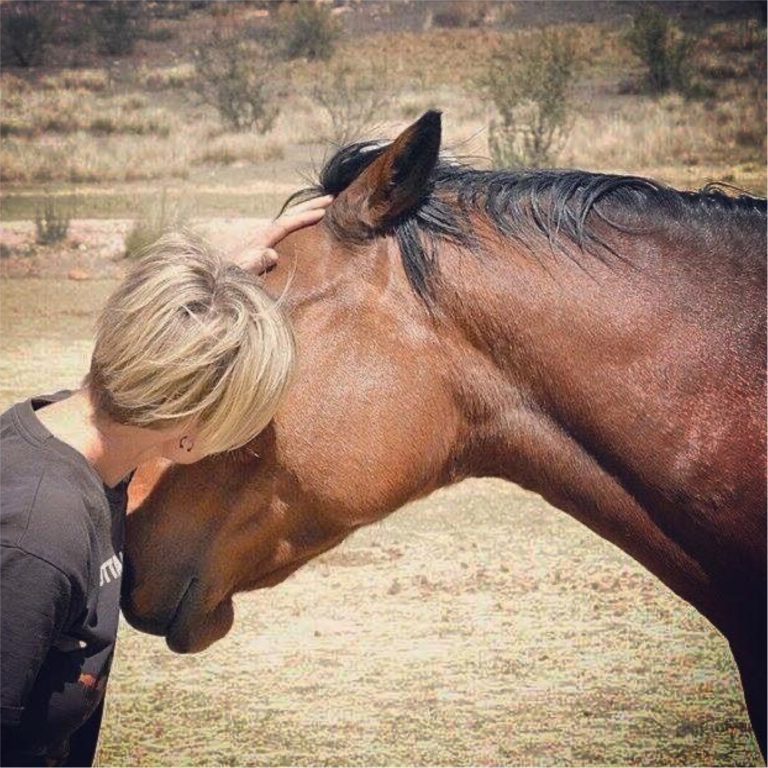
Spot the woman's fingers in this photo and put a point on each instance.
(265, 260)
(314, 202)
(258, 256)
(302, 215)
(257, 260)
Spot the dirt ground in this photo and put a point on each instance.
(476, 627)
(94, 248)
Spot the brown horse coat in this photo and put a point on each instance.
(599, 340)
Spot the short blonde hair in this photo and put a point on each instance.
(189, 336)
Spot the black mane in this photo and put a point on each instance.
(527, 205)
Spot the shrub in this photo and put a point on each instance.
(118, 24)
(353, 98)
(530, 88)
(169, 9)
(458, 13)
(75, 29)
(307, 30)
(159, 35)
(220, 8)
(237, 82)
(664, 51)
(157, 219)
(51, 224)
(15, 127)
(102, 125)
(25, 33)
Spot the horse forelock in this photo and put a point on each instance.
(558, 207)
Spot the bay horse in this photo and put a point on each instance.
(598, 339)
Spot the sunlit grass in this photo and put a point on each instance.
(647, 132)
(234, 148)
(160, 78)
(77, 79)
(81, 157)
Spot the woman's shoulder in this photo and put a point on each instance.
(45, 514)
(38, 468)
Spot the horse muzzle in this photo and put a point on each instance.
(188, 626)
(193, 630)
(144, 608)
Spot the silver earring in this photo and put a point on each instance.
(185, 444)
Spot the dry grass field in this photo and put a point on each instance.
(478, 626)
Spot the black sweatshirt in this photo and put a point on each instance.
(61, 548)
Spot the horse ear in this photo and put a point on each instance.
(393, 183)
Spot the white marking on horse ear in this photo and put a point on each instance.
(394, 183)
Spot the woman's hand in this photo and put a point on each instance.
(259, 255)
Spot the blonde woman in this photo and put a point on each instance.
(191, 358)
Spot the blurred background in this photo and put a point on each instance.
(478, 626)
(158, 112)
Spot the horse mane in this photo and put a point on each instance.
(560, 206)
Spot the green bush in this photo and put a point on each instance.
(159, 35)
(25, 33)
(458, 13)
(118, 24)
(530, 88)
(238, 82)
(157, 219)
(664, 51)
(74, 28)
(51, 224)
(306, 30)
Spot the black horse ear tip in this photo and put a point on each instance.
(431, 118)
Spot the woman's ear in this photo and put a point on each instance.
(182, 447)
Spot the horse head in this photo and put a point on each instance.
(356, 437)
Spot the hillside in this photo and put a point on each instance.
(103, 134)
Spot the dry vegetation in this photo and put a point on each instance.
(140, 118)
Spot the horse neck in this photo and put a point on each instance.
(555, 384)
(523, 375)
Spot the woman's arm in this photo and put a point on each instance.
(35, 598)
(259, 255)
